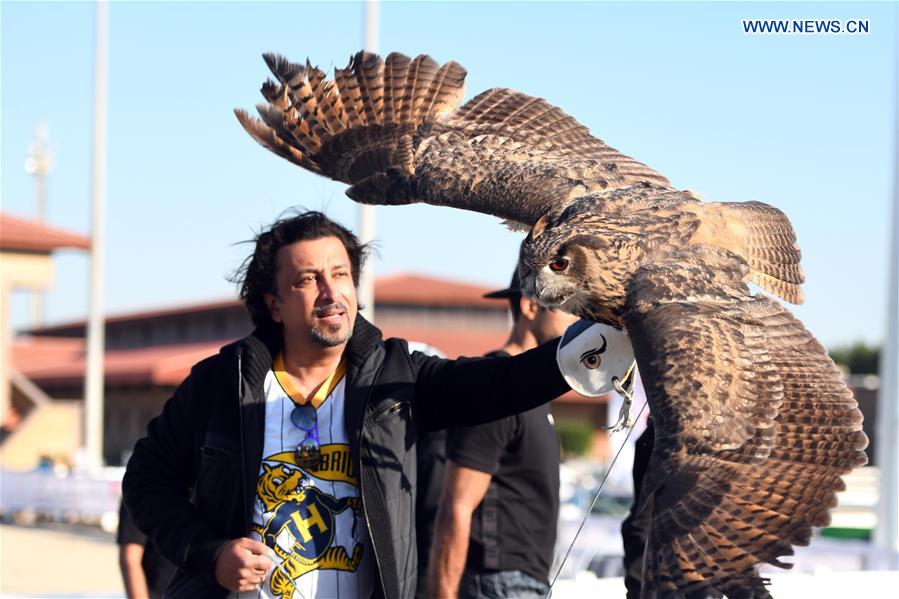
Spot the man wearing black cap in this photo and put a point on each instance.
(496, 526)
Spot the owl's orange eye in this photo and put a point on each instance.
(559, 265)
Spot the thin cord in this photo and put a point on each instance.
(592, 503)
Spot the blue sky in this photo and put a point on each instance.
(803, 122)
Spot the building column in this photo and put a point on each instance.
(5, 350)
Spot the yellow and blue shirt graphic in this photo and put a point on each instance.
(311, 518)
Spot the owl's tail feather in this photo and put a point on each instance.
(763, 236)
(359, 127)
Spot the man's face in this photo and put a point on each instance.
(551, 323)
(314, 295)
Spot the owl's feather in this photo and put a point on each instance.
(762, 235)
(394, 131)
(406, 139)
(754, 425)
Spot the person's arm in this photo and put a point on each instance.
(471, 391)
(130, 556)
(473, 457)
(463, 490)
(131, 542)
(156, 486)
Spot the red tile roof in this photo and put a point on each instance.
(51, 361)
(54, 361)
(395, 289)
(136, 315)
(61, 360)
(20, 234)
(419, 289)
(451, 342)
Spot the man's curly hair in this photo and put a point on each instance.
(257, 275)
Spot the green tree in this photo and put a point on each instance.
(575, 437)
(859, 358)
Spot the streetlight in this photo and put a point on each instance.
(38, 162)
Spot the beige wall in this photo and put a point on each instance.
(25, 270)
(50, 430)
(18, 270)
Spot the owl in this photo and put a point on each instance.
(754, 426)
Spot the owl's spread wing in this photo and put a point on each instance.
(754, 425)
(393, 131)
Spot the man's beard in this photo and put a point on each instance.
(326, 338)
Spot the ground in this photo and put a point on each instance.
(58, 560)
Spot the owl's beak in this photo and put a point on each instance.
(549, 290)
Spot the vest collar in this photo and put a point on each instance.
(259, 349)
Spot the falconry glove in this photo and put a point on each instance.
(592, 356)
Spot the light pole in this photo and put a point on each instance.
(366, 211)
(886, 535)
(38, 163)
(96, 336)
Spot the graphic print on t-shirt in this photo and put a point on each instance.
(300, 522)
(310, 516)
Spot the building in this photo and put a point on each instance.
(149, 353)
(26, 263)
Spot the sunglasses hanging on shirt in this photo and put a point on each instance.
(308, 452)
(304, 416)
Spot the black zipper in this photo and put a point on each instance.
(391, 409)
(243, 449)
(371, 537)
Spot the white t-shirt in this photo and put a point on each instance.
(311, 517)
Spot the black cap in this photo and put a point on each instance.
(513, 290)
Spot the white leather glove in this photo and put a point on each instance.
(590, 355)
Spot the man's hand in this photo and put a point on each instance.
(242, 565)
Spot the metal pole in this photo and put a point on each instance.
(372, 12)
(93, 385)
(366, 211)
(886, 534)
(37, 163)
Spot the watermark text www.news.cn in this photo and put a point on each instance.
(806, 26)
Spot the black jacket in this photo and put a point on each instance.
(209, 440)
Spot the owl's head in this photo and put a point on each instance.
(555, 267)
(551, 268)
(565, 264)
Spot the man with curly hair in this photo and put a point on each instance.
(314, 407)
